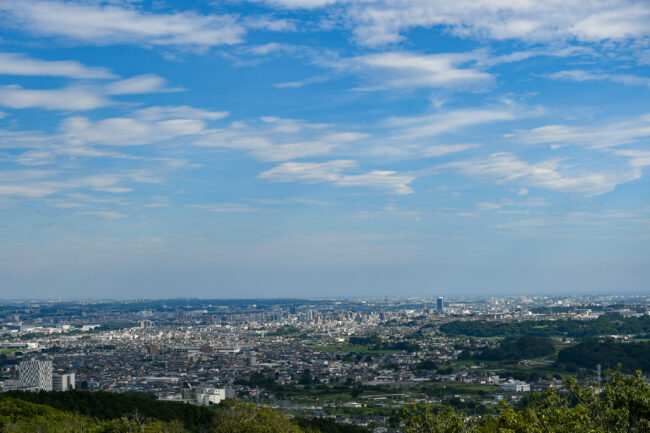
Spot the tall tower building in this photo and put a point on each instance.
(36, 374)
(439, 304)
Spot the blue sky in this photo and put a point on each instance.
(315, 148)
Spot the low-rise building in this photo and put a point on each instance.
(515, 386)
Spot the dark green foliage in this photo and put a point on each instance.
(632, 356)
(365, 341)
(4, 360)
(236, 416)
(107, 405)
(400, 345)
(518, 348)
(305, 377)
(18, 416)
(426, 364)
(259, 380)
(375, 343)
(604, 325)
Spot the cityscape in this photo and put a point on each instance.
(352, 361)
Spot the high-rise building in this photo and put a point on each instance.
(439, 304)
(36, 374)
(63, 381)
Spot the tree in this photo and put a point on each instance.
(237, 416)
(425, 418)
(623, 406)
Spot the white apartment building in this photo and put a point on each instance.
(205, 396)
(36, 375)
(515, 386)
(63, 381)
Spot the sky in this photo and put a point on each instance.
(323, 148)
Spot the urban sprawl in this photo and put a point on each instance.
(355, 361)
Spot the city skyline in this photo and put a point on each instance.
(323, 148)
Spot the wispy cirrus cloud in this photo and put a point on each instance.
(81, 137)
(127, 131)
(52, 183)
(429, 125)
(579, 75)
(104, 214)
(596, 136)
(309, 172)
(101, 24)
(276, 139)
(637, 157)
(81, 97)
(380, 22)
(68, 98)
(335, 172)
(227, 208)
(508, 168)
(446, 149)
(148, 83)
(402, 69)
(20, 64)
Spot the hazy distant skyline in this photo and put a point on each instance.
(316, 148)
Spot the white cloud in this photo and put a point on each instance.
(379, 22)
(487, 205)
(110, 24)
(138, 85)
(308, 172)
(66, 205)
(439, 123)
(614, 20)
(43, 183)
(271, 47)
(446, 149)
(412, 70)
(299, 4)
(637, 158)
(390, 181)
(126, 131)
(179, 112)
(601, 136)
(301, 83)
(68, 98)
(276, 139)
(106, 214)
(581, 75)
(334, 172)
(382, 21)
(227, 208)
(284, 152)
(507, 168)
(81, 97)
(19, 64)
(28, 191)
(270, 24)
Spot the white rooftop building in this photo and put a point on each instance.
(515, 386)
